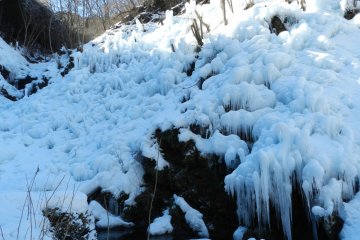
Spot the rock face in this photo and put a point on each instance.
(19, 84)
(350, 13)
(199, 180)
(277, 26)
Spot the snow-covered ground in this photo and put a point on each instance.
(296, 95)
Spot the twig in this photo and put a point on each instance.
(30, 209)
(202, 22)
(43, 228)
(69, 211)
(2, 233)
(230, 5)
(222, 5)
(154, 192)
(29, 188)
(196, 32)
(43, 196)
(30, 205)
(197, 29)
(66, 189)
(53, 193)
(302, 4)
(72, 199)
(46, 205)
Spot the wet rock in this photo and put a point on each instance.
(114, 205)
(7, 95)
(330, 227)
(198, 179)
(38, 85)
(22, 82)
(276, 25)
(350, 13)
(4, 72)
(202, 131)
(189, 71)
(68, 67)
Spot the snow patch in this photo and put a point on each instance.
(161, 225)
(192, 216)
(106, 219)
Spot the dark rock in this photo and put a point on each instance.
(329, 227)
(68, 67)
(276, 25)
(115, 205)
(38, 85)
(4, 72)
(204, 132)
(190, 69)
(21, 83)
(198, 179)
(7, 95)
(145, 17)
(302, 225)
(350, 13)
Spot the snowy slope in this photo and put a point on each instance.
(15, 64)
(18, 77)
(295, 95)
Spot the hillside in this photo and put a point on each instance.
(256, 133)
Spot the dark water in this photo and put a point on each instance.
(134, 234)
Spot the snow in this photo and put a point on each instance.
(161, 225)
(247, 96)
(216, 144)
(30, 223)
(274, 107)
(106, 219)
(192, 216)
(351, 215)
(16, 63)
